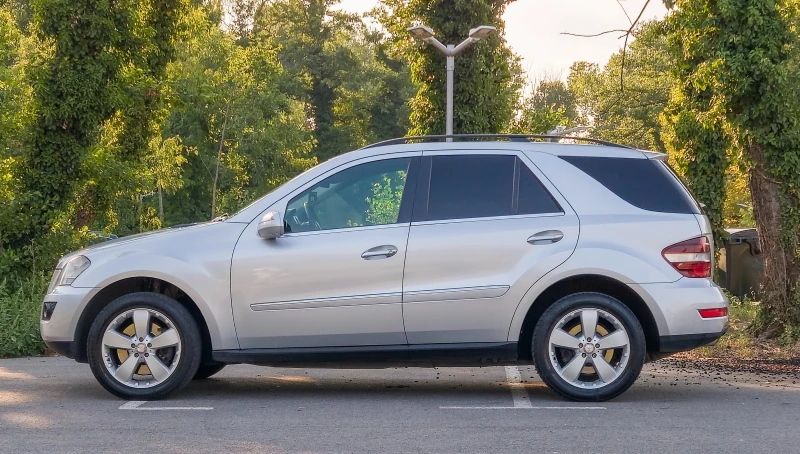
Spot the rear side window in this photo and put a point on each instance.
(475, 186)
(533, 197)
(470, 186)
(644, 183)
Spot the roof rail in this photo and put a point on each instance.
(491, 137)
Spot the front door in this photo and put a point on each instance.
(486, 226)
(335, 277)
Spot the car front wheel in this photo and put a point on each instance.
(144, 346)
(588, 347)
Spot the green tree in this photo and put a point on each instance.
(630, 107)
(354, 87)
(246, 134)
(20, 10)
(307, 32)
(549, 105)
(487, 75)
(71, 99)
(141, 98)
(624, 104)
(88, 53)
(736, 66)
(15, 93)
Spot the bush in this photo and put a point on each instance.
(20, 308)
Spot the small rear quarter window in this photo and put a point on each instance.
(644, 183)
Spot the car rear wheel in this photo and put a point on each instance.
(144, 346)
(588, 347)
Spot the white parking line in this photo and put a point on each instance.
(518, 393)
(521, 408)
(519, 396)
(137, 405)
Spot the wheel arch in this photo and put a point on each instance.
(587, 283)
(129, 285)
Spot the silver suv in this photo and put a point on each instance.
(584, 260)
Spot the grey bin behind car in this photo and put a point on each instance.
(741, 266)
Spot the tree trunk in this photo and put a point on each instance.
(219, 157)
(160, 205)
(781, 265)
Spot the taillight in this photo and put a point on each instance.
(692, 258)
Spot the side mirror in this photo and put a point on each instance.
(271, 226)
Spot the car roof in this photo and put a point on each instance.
(595, 148)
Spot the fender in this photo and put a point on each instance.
(197, 260)
(566, 271)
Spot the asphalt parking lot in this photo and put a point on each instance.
(55, 405)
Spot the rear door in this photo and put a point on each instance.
(486, 226)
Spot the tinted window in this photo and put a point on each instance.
(362, 195)
(644, 183)
(470, 186)
(533, 197)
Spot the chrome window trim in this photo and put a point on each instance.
(345, 229)
(488, 219)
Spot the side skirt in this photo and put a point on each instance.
(378, 356)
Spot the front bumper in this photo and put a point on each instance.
(58, 333)
(62, 348)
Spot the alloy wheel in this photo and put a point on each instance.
(141, 348)
(589, 348)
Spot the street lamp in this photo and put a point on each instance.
(425, 34)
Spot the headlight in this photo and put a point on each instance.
(66, 274)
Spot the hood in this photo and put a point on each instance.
(140, 236)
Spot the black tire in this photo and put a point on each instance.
(207, 370)
(184, 323)
(541, 354)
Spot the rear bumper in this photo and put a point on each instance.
(684, 342)
(675, 307)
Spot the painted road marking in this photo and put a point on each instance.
(137, 405)
(518, 393)
(520, 397)
(521, 408)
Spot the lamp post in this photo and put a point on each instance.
(425, 34)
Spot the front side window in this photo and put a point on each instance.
(363, 195)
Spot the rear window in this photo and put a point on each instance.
(644, 183)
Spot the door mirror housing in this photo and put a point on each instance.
(271, 226)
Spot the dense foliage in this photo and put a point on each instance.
(131, 115)
(737, 88)
(624, 103)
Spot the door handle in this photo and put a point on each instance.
(379, 252)
(546, 237)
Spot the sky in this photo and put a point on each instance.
(534, 27)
